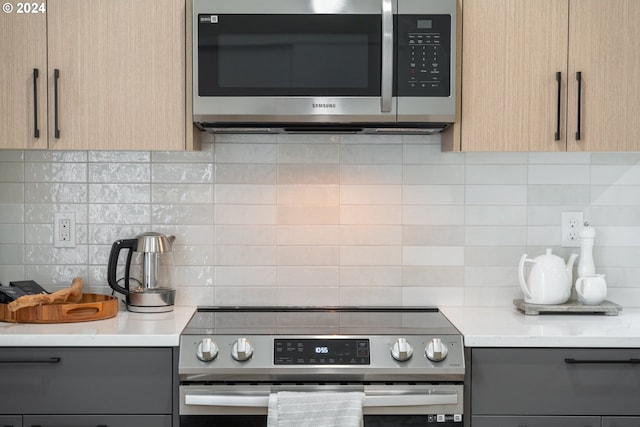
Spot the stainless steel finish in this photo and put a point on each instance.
(436, 350)
(401, 350)
(153, 242)
(242, 350)
(207, 350)
(369, 115)
(379, 398)
(151, 300)
(260, 367)
(386, 88)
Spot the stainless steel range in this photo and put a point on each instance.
(408, 362)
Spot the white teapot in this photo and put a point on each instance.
(550, 279)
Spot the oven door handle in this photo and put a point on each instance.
(383, 400)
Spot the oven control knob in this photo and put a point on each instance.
(401, 350)
(242, 350)
(436, 350)
(207, 350)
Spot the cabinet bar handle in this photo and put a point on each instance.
(559, 80)
(49, 360)
(602, 361)
(56, 77)
(386, 88)
(36, 131)
(579, 132)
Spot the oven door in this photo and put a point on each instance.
(385, 405)
(285, 61)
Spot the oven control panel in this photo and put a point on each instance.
(329, 351)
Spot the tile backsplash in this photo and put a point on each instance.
(322, 219)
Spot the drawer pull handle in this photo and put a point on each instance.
(36, 131)
(602, 361)
(49, 360)
(559, 108)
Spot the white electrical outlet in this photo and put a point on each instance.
(571, 223)
(64, 230)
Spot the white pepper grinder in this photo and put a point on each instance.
(586, 266)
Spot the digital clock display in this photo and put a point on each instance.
(291, 351)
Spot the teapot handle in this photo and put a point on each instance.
(523, 283)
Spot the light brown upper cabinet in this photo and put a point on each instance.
(521, 65)
(113, 79)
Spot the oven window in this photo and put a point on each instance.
(289, 55)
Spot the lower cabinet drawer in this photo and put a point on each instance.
(96, 380)
(97, 421)
(10, 421)
(506, 421)
(620, 421)
(558, 381)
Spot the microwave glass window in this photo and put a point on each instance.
(284, 55)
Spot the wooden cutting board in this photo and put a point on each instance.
(91, 307)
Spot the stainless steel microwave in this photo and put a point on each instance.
(324, 65)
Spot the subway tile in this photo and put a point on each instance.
(433, 194)
(559, 174)
(559, 194)
(495, 215)
(369, 235)
(433, 174)
(11, 172)
(372, 296)
(371, 194)
(614, 158)
(433, 215)
(371, 255)
(188, 173)
(498, 235)
(546, 158)
(491, 276)
(246, 255)
(122, 194)
(40, 156)
(496, 158)
(245, 214)
(238, 194)
(496, 174)
(308, 255)
(55, 193)
(11, 212)
(307, 235)
(422, 153)
(244, 296)
(308, 215)
(55, 172)
(119, 172)
(308, 174)
(370, 174)
(433, 255)
(182, 193)
(245, 235)
(119, 156)
(615, 195)
(370, 215)
(246, 174)
(12, 192)
(379, 154)
(496, 256)
(433, 296)
(11, 254)
(246, 153)
(308, 194)
(308, 276)
(311, 153)
(496, 194)
(385, 276)
(182, 214)
(11, 156)
(107, 213)
(308, 296)
(432, 276)
(248, 276)
(433, 235)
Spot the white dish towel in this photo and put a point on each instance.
(315, 409)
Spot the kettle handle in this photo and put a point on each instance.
(118, 245)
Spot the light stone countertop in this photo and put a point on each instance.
(124, 330)
(508, 327)
(481, 327)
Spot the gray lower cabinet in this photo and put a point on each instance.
(536, 387)
(88, 386)
(509, 421)
(10, 421)
(620, 421)
(97, 421)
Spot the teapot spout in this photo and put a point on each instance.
(572, 260)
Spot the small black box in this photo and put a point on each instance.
(8, 294)
(30, 287)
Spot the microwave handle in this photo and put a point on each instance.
(386, 88)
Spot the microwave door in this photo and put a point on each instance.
(293, 64)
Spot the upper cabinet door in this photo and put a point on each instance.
(512, 52)
(23, 77)
(116, 74)
(604, 37)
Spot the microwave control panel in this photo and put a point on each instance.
(424, 55)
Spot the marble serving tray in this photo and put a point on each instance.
(570, 307)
